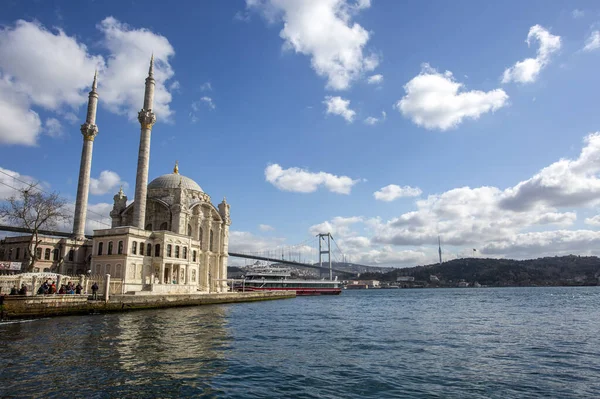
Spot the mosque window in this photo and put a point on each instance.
(38, 253)
(10, 251)
(134, 248)
(169, 250)
(177, 251)
(18, 254)
(110, 248)
(46, 254)
(71, 255)
(200, 237)
(107, 269)
(141, 248)
(98, 269)
(55, 254)
(120, 248)
(157, 250)
(210, 248)
(184, 252)
(118, 271)
(148, 249)
(194, 255)
(100, 245)
(189, 230)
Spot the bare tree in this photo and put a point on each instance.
(35, 210)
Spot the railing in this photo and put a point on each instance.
(33, 281)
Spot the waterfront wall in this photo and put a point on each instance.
(16, 307)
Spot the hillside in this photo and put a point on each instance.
(564, 270)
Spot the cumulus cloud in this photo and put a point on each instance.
(245, 242)
(371, 120)
(436, 101)
(375, 79)
(393, 191)
(592, 42)
(338, 226)
(576, 13)
(302, 181)
(265, 227)
(528, 70)
(593, 221)
(107, 181)
(19, 125)
(53, 127)
(338, 106)
(324, 31)
(209, 102)
(11, 182)
(122, 84)
(206, 86)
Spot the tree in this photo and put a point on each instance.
(35, 210)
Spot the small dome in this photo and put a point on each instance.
(172, 180)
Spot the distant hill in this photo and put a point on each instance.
(550, 271)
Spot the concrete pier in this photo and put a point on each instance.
(23, 307)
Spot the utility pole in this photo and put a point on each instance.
(328, 252)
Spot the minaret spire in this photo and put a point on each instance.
(89, 130)
(147, 119)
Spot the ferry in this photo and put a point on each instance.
(278, 279)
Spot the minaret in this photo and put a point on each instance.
(89, 131)
(147, 119)
(440, 249)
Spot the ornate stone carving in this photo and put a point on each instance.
(147, 118)
(89, 131)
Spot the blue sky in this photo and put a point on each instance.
(303, 113)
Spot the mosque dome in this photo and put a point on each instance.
(173, 180)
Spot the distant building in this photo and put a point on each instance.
(434, 279)
(405, 279)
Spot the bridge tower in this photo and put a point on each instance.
(328, 252)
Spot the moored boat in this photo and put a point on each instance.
(278, 279)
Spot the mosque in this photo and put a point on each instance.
(170, 239)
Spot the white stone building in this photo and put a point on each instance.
(171, 238)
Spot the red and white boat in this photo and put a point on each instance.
(277, 279)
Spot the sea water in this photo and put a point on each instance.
(420, 343)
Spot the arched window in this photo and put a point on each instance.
(148, 249)
(194, 255)
(210, 248)
(169, 250)
(46, 254)
(189, 230)
(118, 271)
(38, 253)
(98, 269)
(201, 237)
(120, 248)
(157, 250)
(18, 254)
(110, 247)
(149, 227)
(55, 255)
(184, 252)
(164, 226)
(134, 248)
(71, 254)
(177, 251)
(100, 245)
(107, 270)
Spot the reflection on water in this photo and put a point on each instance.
(446, 343)
(169, 353)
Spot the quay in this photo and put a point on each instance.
(37, 306)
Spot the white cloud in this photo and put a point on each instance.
(11, 181)
(19, 125)
(592, 42)
(593, 221)
(53, 127)
(121, 86)
(375, 79)
(371, 120)
(578, 13)
(528, 70)
(71, 118)
(265, 227)
(302, 181)
(324, 31)
(393, 191)
(433, 100)
(206, 86)
(338, 106)
(106, 182)
(209, 102)
(244, 242)
(338, 226)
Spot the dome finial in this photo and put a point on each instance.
(176, 168)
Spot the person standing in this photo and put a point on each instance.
(78, 288)
(95, 291)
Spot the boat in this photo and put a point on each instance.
(280, 279)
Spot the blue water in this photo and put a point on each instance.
(444, 343)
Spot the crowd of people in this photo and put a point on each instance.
(49, 288)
